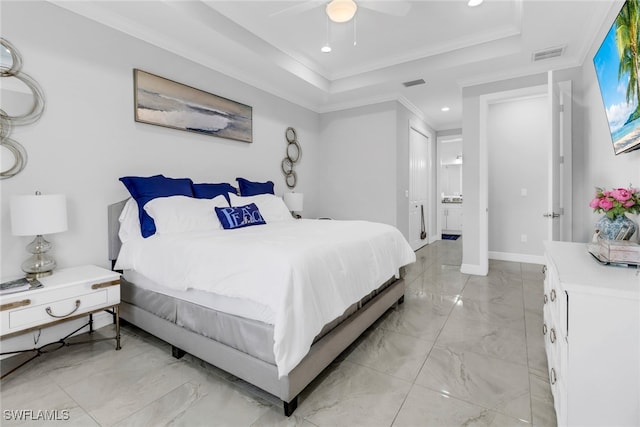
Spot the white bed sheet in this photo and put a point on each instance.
(308, 272)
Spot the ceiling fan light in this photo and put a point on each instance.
(474, 3)
(341, 10)
(325, 49)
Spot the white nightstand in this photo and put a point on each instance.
(67, 294)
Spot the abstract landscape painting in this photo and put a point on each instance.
(163, 102)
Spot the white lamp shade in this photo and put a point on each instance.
(32, 215)
(294, 201)
(341, 10)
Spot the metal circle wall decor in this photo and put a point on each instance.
(7, 121)
(293, 155)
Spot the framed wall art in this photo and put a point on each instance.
(163, 102)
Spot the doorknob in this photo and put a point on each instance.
(551, 215)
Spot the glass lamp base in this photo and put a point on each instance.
(40, 264)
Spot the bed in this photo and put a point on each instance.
(272, 304)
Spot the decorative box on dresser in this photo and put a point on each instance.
(592, 337)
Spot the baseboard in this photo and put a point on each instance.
(508, 256)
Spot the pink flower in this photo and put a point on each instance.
(605, 204)
(621, 194)
(595, 203)
(628, 203)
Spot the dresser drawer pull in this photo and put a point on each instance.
(553, 294)
(546, 298)
(552, 376)
(544, 269)
(105, 284)
(544, 329)
(48, 310)
(552, 335)
(15, 304)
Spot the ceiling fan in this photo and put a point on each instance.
(344, 10)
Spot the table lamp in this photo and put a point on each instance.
(294, 202)
(35, 215)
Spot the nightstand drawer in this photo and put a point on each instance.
(45, 313)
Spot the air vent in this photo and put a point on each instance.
(553, 52)
(414, 83)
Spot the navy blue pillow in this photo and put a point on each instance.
(144, 189)
(209, 191)
(239, 216)
(250, 188)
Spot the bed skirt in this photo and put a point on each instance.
(261, 373)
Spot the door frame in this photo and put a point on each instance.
(483, 167)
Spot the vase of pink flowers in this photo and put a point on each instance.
(615, 203)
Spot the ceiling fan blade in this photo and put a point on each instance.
(395, 8)
(299, 7)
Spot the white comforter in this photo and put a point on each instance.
(308, 272)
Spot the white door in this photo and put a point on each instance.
(553, 204)
(418, 188)
(566, 165)
(558, 212)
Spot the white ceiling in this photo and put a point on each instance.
(275, 45)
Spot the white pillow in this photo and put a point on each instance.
(270, 206)
(129, 222)
(178, 214)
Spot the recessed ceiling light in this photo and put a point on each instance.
(474, 3)
(445, 109)
(326, 48)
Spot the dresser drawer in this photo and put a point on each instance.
(34, 315)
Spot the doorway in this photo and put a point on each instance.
(517, 131)
(558, 178)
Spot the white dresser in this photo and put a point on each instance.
(592, 338)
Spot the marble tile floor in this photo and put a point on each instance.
(461, 351)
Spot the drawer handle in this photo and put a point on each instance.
(48, 310)
(105, 284)
(552, 335)
(544, 329)
(544, 269)
(553, 294)
(16, 304)
(552, 376)
(546, 298)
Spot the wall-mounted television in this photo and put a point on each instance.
(617, 66)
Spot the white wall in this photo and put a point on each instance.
(359, 158)
(473, 222)
(87, 137)
(602, 168)
(594, 163)
(517, 132)
(365, 152)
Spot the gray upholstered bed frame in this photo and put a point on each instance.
(255, 371)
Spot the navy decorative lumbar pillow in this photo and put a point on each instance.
(252, 188)
(239, 216)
